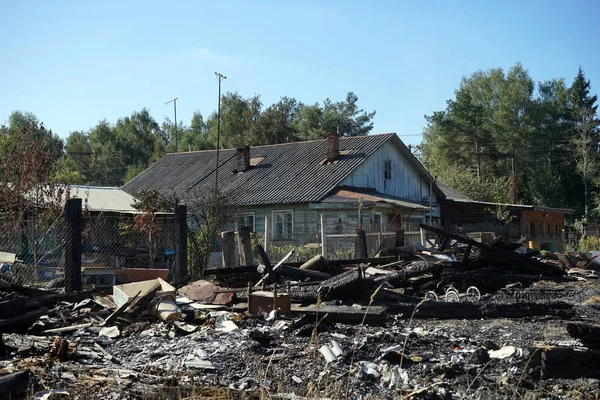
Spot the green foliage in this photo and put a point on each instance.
(588, 243)
(498, 120)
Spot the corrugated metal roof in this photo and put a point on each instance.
(104, 199)
(352, 195)
(509, 205)
(289, 172)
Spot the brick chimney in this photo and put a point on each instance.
(332, 146)
(243, 158)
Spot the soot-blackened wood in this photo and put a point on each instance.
(415, 269)
(468, 310)
(360, 244)
(273, 277)
(565, 363)
(500, 256)
(399, 242)
(15, 385)
(73, 245)
(587, 333)
(228, 245)
(245, 246)
(351, 284)
(21, 323)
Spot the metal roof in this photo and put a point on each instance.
(450, 193)
(509, 205)
(352, 195)
(289, 173)
(104, 199)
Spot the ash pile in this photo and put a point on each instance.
(462, 320)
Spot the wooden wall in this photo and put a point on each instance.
(405, 182)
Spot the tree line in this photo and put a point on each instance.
(110, 154)
(505, 138)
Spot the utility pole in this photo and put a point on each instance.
(220, 77)
(174, 101)
(513, 183)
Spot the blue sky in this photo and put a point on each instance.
(73, 63)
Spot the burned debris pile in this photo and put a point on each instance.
(462, 320)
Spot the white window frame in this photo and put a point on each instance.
(274, 224)
(248, 214)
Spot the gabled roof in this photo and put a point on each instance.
(286, 173)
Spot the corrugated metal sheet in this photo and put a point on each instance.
(345, 195)
(289, 173)
(104, 199)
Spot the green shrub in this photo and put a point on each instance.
(589, 243)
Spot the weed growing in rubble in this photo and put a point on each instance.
(355, 341)
(409, 325)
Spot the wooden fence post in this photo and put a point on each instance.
(228, 245)
(323, 238)
(360, 244)
(180, 267)
(73, 245)
(399, 238)
(245, 246)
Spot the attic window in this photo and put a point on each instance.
(387, 169)
(254, 161)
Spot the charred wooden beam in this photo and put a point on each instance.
(317, 263)
(468, 310)
(21, 323)
(15, 385)
(345, 283)
(273, 276)
(565, 363)
(347, 314)
(587, 333)
(496, 255)
(415, 269)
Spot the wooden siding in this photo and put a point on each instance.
(406, 182)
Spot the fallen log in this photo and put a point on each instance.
(21, 323)
(13, 386)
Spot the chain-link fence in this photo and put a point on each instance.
(96, 249)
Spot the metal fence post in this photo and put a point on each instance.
(180, 269)
(323, 238)
(267, 233)
(73, 245)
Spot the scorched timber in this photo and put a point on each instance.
(468, 310)
(496, 256)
